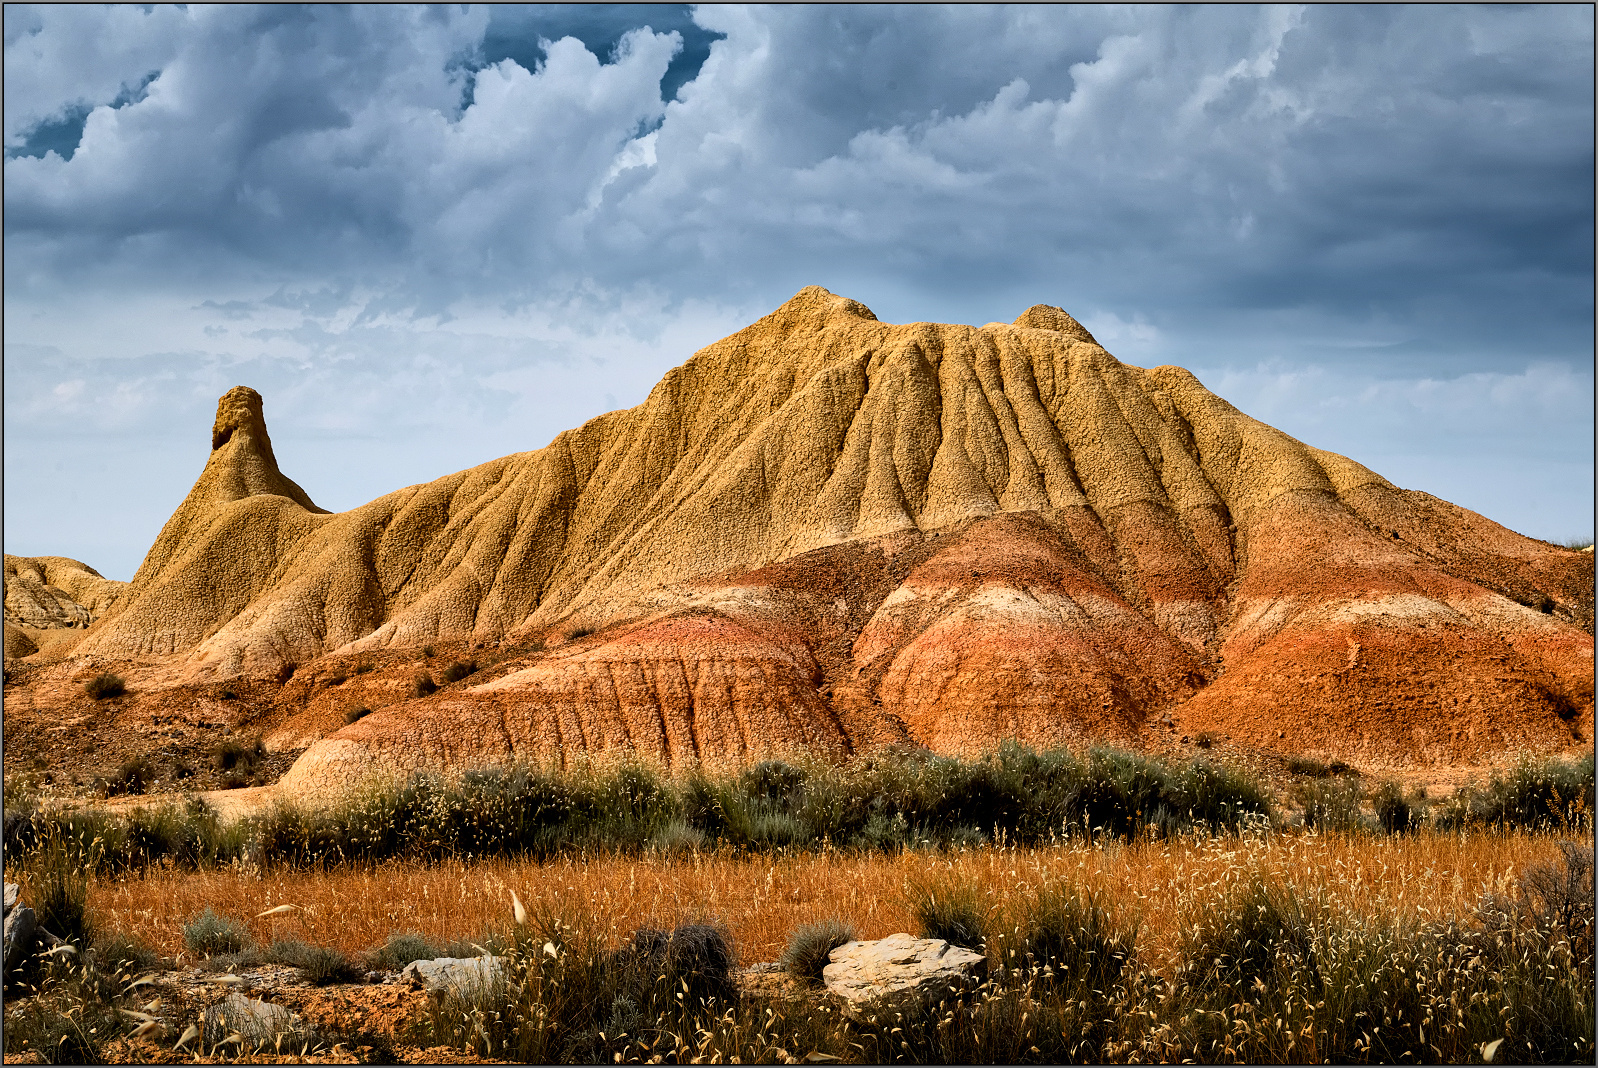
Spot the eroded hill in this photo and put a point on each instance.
(827, 532)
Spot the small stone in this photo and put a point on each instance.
(11, 897)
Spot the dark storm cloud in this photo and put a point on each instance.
(463, 207)
(1403, 160)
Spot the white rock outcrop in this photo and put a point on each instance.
(897, 973)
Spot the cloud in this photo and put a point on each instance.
(511, 219)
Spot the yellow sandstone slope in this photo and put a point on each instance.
(827, 531)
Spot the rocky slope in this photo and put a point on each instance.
(827, 532)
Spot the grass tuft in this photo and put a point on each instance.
(210, 934)
(951, 910)
(318, 965)
(810, 947)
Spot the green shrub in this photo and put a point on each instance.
(1330, 805)
(810, 947)
(231, 754)
(1396, 813)
(1536, 794)
(677, 837)
(210, 934)
(318, 965)
(1308, 767)
(400, 950)
(105, 685)
(459, 670)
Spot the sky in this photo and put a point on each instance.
(435, 236)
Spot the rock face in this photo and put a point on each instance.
(48, 594)
(898, 973)
(826, 532)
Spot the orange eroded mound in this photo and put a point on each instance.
(826, 533)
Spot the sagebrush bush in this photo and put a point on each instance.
(810, 946)
(210, 934)
(423, 685)
(886, 801)
(105, 685)
(1330, 805)
(1396, 812)
(401, 949)
(1537, 794)
(230, 754)
(318, 965)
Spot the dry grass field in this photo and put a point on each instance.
(1129, 911)
(762, 899)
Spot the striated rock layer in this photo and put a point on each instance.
(46, 595)
(826, 532)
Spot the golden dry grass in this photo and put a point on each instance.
(761, 900)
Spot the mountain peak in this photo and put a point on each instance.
(1048, 317)
(242, 463)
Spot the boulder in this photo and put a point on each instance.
(257, 1023)
(453, 975)
(898, 973)
(21, 933)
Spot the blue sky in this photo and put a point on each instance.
(434, 236)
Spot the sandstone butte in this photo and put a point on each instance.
(827, 533)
